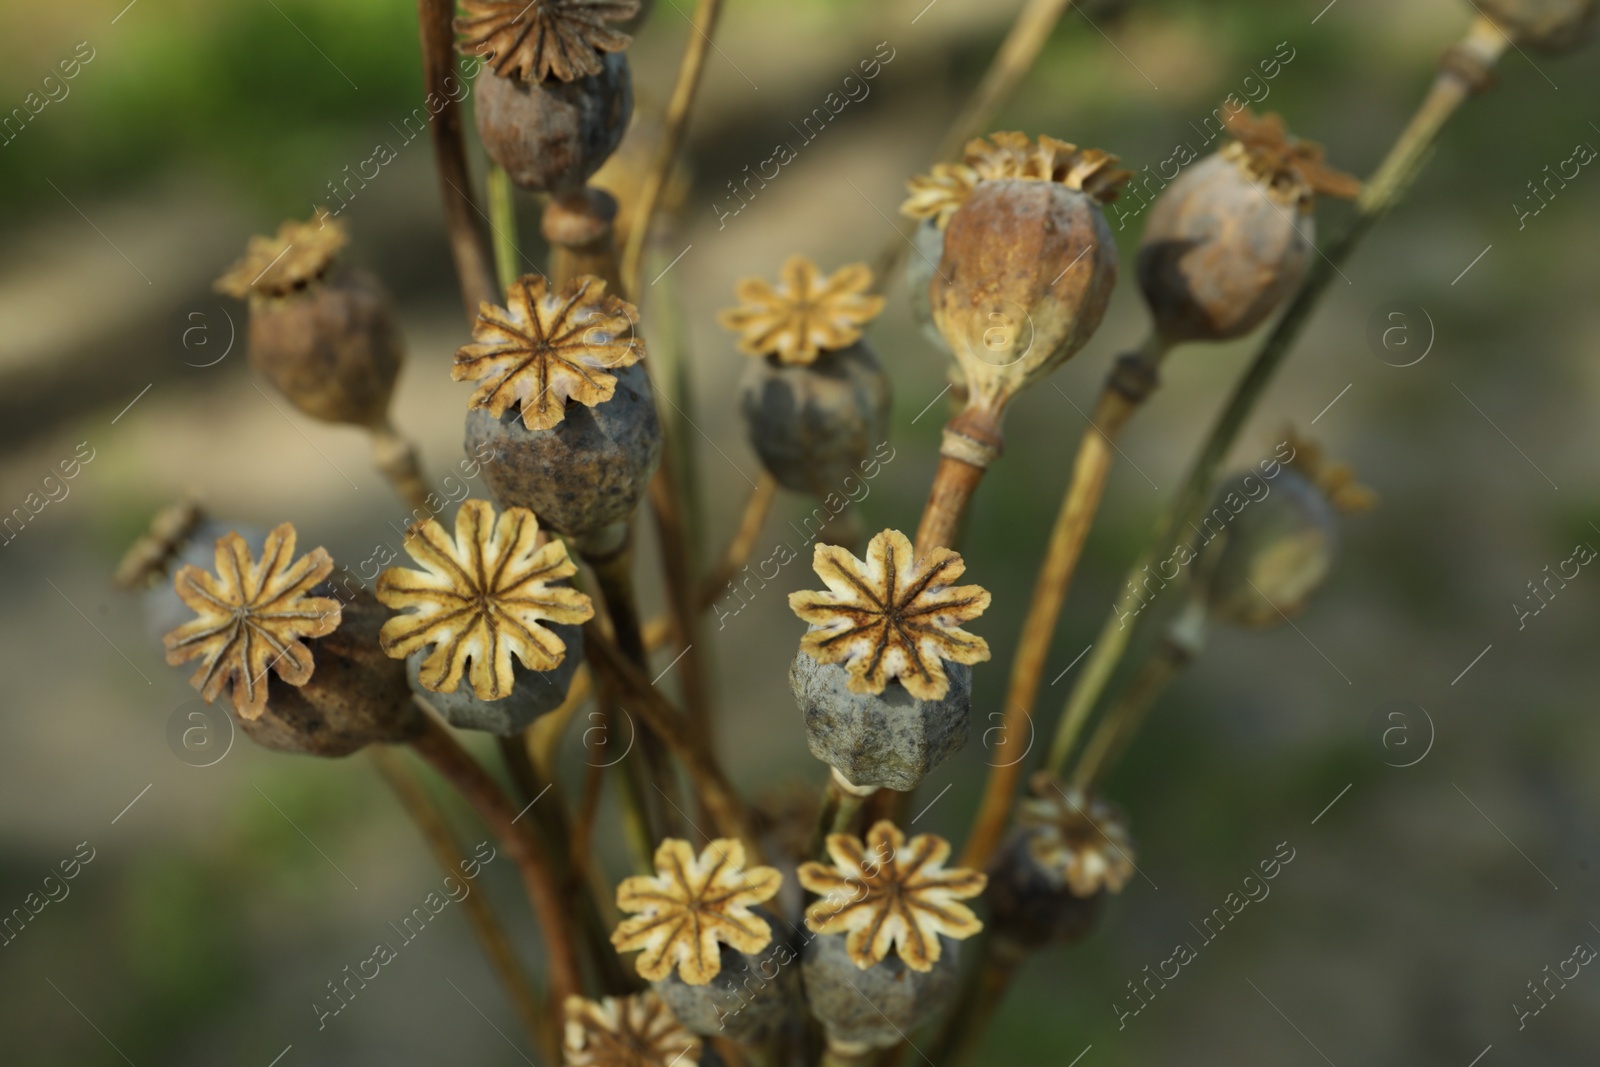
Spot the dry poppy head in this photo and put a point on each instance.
(539, 39)
(480, 598)
(1080, 840)
(252, 616)
(891, 616)
(1291, 169)
(148, 558)
(299, 254)
(636, 1031)
(887, 893)
(1336, 481)
(544, 349)
(692, 906)
(805, 314)
(1010, 155)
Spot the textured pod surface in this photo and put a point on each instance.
(1219, 254)
(356, 695)
(749, 999)
(585, 473)
(332, 348)
(813, 424)
(1027, 271)
(879, 1005)
(1032, 906)
(1276, 550)
(552, 135)
(534, 693)
(1553, 25)
(888, 739)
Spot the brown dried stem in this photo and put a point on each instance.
(756, 509)
(396, 459)
(1110, 738)
(1127, 388)
(690, 68)
(469, 245)
(521, 841)
(956, 479)
(486, 926)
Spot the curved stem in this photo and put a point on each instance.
(690, 68)
(756, 510)
(1482, 46)
(521, 841)
(396, 459)
(1125, 391)
(1110, 738)
(485, 924)
(468, 244)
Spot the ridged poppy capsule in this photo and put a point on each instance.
(1232, 237)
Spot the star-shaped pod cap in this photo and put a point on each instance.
(545, 348)
(251, 618)
(806, 314)
(539, 39)
(299, 254)
(637, 1031)
(1077, 839)
(692, 905)
(940, 193)
(1292, 170)
(891, 616)
(887, 893)
(480, 598)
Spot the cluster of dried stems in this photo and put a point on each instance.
(700, 956)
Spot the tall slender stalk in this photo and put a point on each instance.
(485, 924)
(469, 245)
(1110, 738)
(503, 225)
(521, 842)
(756, 509)
(698, 44)
(1473, 57)
(1125, 391)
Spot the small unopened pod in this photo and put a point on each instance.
(1549, 25)
(882, 675)
(705, 943)
(1069, 852)
(301, 660)
(815, 399)
(1273, 538)
(562, 409)
(322, 332)
(888, 921)
(489, 598)
(1027, 262)
(555, 93)
(1231, 238)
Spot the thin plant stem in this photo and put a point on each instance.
(469, 246)
(521, 840)
(984, 989)
(698, 44)
(1481, 47)
(396, 459)
(756, 509)
(503, 225)
(486, 925)
(972, 440)
(1125, 391)
(723, 803)
(1117, 727)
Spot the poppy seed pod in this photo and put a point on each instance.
(1027, 262)
(874, 1008)
(1231, 238)
(305, 670)
(1549, 25)
(815, 400)
(321, 332)
(750, 998)
(882, 674)
(534, 693)
(1280, 539)
(562, 404)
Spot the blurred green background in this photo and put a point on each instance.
(1417, 907)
